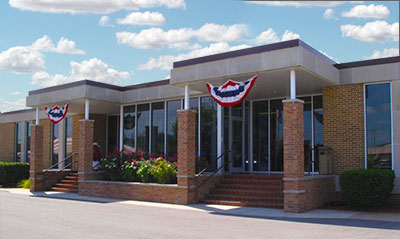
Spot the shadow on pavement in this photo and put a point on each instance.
(74, 197)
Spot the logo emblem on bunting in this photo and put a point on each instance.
(231, 93)
(56, 114)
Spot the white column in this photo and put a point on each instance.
(292, 84)
(121, 128)
(186, 97)
(86, 109)
(37, 116)
(219, 136)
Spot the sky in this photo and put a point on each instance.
(124, 42)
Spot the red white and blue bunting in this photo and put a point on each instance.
(231, 93)
(56, 114)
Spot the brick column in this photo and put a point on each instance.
(86, 132)
(186, 152)
(293, 151)
(36, 161)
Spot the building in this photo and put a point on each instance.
(350, 111)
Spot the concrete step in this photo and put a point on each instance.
(251, 181)
(250, 199)
(63, 185)
(247, 193)
(243, 204)
(65, 190)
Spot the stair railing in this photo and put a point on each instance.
(215, 171)
(60, 169)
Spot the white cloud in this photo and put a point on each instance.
(155, 38)
(15, 93)
(328, 14)
(378, 31)
(6, 106)
(165, 62)
(22, 60)
(142, 19)
(370, 11)
(29, 59)
(104, 21)
(387, 52)
(302, 3)
(91, 6)
(64, 46)
(270, 36)
(92, 69)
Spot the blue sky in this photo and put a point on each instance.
(49, 42)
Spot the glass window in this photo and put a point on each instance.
(54, 143)
(378, 125)
(172, 127)
(209, 132)
(157, 127)
(307, 116)
(143, 127)
(18, 142)
(113, 134)
(28, 141)
(260, 136)
(276, 135)
(129, 130)
(318, 128)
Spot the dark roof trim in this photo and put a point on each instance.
(17, 111)
(252, 50)
(237, 53)
(388, 60)
(99, 84)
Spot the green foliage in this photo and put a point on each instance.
(163, 171)
(144, 171)
(25, 183)
(366, 188)
(12, 173)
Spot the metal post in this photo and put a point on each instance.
(219, 136)
(121, 128)
(186, 97)
(86, 109)
(37, 116)
(292, 84)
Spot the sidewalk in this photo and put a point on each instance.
(317, 215)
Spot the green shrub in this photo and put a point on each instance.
(143, 171)
(130, 171)
(25, 183)
(366, 188)
(12, 173)
(163, 171)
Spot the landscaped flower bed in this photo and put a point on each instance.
(139, 167)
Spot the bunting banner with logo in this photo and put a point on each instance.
(231, 93)
(56, 114)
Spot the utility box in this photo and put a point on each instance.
(325, 160)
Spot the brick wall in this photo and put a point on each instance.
(344, 126)
(46, 142)
(7, 139)
(134, 191)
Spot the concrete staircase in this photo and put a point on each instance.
(247, 190)
(69, 184)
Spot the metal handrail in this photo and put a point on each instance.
(215, 171)
(52, 166)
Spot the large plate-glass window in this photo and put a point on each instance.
(28, 141)
(318, 128)
(208, 130)
(260, 136)
(55, 138)
(172, 127)
(307, 116)
(113, 133)
(157, 127)
(129, 129)
(18, 142)
(378, 118)
(68, 139)
(276, 135)
(143, 133)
